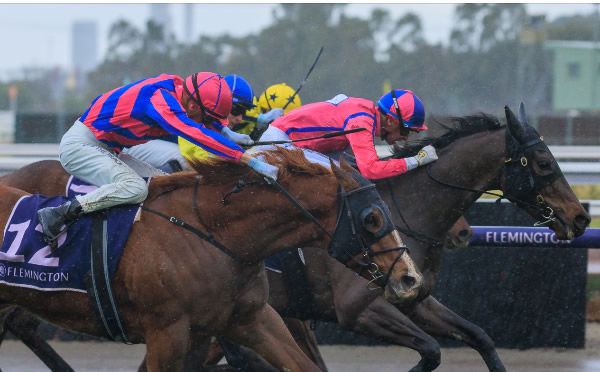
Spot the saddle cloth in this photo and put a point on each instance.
(26, 260)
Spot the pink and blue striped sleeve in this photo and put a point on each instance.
(166, 110)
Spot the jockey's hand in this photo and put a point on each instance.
(426, 155)
(267, 170)
(268, 117)
(239, 138)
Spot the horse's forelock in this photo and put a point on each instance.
(456, 127)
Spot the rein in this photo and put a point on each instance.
(276, 184)
(208, 238)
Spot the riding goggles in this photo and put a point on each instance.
(238, 109)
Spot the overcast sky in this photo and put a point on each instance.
(40, 34)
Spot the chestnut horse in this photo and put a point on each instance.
(174, 289)
(479, 141)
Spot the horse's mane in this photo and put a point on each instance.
(219, 172)
(456, 127)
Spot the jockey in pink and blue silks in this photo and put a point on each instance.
(159, 107)
(396, 114)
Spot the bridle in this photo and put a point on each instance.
(349, 239)
(520, 180)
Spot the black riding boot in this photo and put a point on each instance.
(172, 166)
(53, 218)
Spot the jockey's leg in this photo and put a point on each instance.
(82, 155)
(273, 134)
(157, 153)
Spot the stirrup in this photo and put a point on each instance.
(52, 241)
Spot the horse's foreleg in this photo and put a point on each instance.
(24, 325)
(438, 320)
(382, 321)
(166, 347)
(244, 359)
(268, 336)
(305, 338)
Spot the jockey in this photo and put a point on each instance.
(268, 108)
(243, 100)
(277, 96)
(395, 115)
(169, 157)
(160, 107)
(244, 105)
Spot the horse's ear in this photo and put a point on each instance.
(344, 177)
(522, 115)
(514, 125)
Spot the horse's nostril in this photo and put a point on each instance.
(465, 234)
(408, 281)
(582, 221)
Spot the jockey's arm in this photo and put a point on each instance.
(368, 162)
(166, 110)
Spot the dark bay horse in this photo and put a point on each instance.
(174, 290)
(425, 208)
(476, 154)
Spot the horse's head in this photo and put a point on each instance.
(535, 182)
(366, 237)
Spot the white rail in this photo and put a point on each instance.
(580, 164)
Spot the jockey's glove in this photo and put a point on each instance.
(268, 117)
(263, 168)
(239, 138)
(425, 156)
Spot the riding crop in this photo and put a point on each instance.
(291, 99)
(326, 135)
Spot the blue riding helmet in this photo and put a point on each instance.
(241, 90)
(405, 104)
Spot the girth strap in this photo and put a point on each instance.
(98, 284)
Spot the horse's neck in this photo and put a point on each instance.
(430, 208)
(259, 221)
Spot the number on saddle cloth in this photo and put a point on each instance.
(26, 259)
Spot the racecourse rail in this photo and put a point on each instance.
(517, 236)
(580, 164)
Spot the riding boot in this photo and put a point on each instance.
(172, 166)
(53, 218)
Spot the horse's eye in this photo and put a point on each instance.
(372, 219)
(544, 165)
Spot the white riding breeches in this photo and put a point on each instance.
(273, 134)
(276, 134)
(82, 155)
(157, 153)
